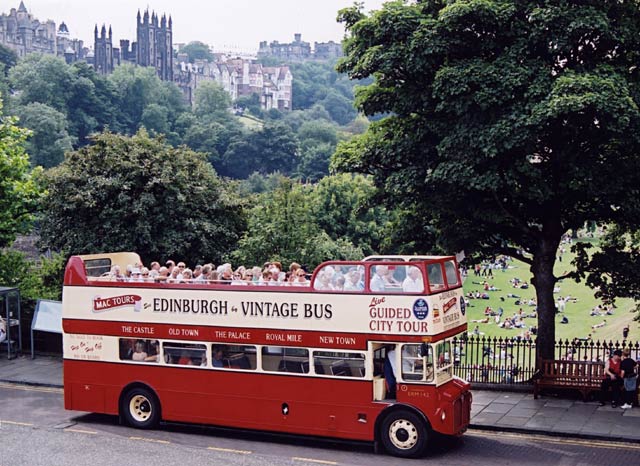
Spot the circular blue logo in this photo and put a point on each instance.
(420, 309)
(463, 305)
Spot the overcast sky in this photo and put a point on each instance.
(237, 25)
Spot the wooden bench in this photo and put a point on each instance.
(584, 376)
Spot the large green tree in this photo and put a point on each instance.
(282, 227)
(197, 50)
(270, 149)
(88, 100)
(49, 138)
(19, 192)
(138, 193)
(506, 122)
(8, 58)
(144, 100)
(211, 101)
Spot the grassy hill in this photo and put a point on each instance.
(580, 322)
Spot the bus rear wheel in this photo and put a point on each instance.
(141, 408)
(404, 434)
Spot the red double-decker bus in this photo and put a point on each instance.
(363, 352)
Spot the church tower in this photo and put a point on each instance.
(103, 50)
(154, 44)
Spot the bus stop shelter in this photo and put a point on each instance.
(10, 311)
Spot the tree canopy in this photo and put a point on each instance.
(197, 50)
(283, 227)
(19, 192)
(49, 138)
(138, 193)
(505, 122)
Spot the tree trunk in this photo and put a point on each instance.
(544, 281)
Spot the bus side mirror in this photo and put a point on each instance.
(424, 350)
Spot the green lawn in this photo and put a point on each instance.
(251, 122)
(580, 321)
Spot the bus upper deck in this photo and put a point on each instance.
(423, 299)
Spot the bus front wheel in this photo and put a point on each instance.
(404, 434)
(140, 408)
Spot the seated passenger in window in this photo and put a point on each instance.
(323, 282)
(413, 282)
(354, 282)
(139, 353)
(378, 281)
(218, 354)
(154, 352)
(185, 358)
(390, 281)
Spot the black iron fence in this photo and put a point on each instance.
(512, 361)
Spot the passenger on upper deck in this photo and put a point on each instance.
(354, 282)
(116, 273)
(163, 275)
(413, 283)
(300, 278)
(378, 281)
(205, 276)
(323, 281)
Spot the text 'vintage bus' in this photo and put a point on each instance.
(370, 360)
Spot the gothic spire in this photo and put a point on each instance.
(22, 8)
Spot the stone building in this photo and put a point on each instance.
(298, 50)
(71, 49)
(153, 46)
(103, 52)
(23, 33)
(239, 77)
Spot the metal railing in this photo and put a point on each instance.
(512, 361)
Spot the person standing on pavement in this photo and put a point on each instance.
(612, 380)
(628, 373)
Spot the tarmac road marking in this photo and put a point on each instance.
(555, 440)
(311, 460)
(16, 423)
(80, 431)
(230, 450)
(152, 440)
(31, 388)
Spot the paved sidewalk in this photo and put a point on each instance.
(553, 416)
(491, 410)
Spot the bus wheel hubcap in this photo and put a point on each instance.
(403, 434)
(140, 408)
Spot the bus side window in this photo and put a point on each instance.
(339, 364)
(139, 350)
(185, 354)
(452, 276)
(436, 280)
(413, 363)
(282, 359)
(234, 356)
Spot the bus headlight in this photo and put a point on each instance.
(443, 416)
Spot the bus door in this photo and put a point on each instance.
(380, 352)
